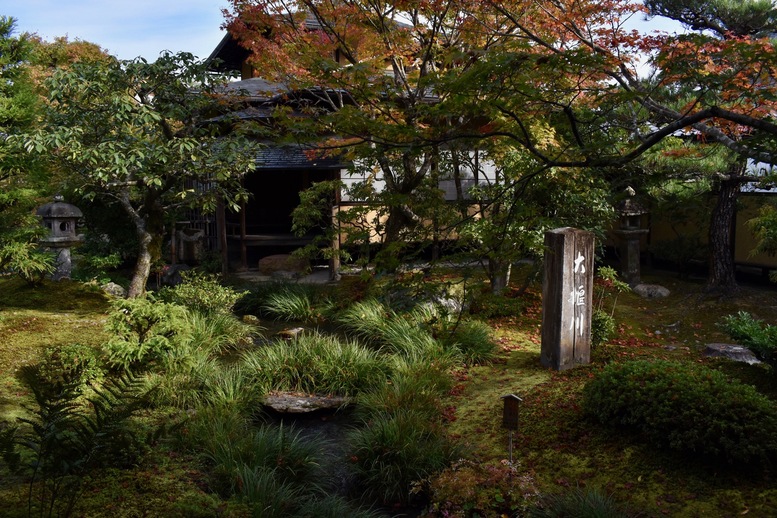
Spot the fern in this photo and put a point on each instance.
(66, 438)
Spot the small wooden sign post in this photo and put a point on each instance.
(512, 405)
(566, 298)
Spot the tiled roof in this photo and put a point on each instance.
(295, 157)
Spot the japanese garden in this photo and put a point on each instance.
(425, 258)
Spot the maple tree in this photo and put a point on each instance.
(559, 79)
(729, 62)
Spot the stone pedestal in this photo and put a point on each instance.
(630, 255)
(567, 292)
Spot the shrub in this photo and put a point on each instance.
(144, 332)
(73, 365)
(478, 489)
(317, 363)
(686, 408)
(202, 293)
(602, 328)
(755, 334)
(26, 260)
(95, 267)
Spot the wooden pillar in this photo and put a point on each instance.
(567, 292)
(221, 225)
(243, 250)
(334, 261)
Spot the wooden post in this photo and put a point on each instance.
(221, 224)
(334, 261)
(243, 250)
(567, 292)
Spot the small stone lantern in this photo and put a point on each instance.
(630, 231)
(61, 219)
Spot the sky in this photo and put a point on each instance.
(128, 29)
(125, 28)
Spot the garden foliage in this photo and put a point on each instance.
(144, 331)
(686, 408)
(202, 293)
(755, 334)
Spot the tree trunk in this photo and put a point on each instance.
(137, 287)
(721, 236)
(149, 229)
(498, 275)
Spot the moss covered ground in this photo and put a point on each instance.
(561, 449)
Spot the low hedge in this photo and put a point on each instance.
(686, 407)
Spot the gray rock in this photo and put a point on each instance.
(737, 353)
(292, 403)
(114, 290)
(650, 291)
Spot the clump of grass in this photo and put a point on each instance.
(333, 506)
(230, 387)
(581, 502)
(266, 495)
(413, 386)
(405, 334)
(218, 332)
(291, 306)
(306, 303)
(263, 466)
(317, 363)
(472, 338)
(391, 452)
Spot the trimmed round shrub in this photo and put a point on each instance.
(686, 407)
(201, 292)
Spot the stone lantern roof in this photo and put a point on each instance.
(61, 219)
(58, 209)
(629, 206)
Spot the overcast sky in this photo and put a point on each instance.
(125, 28)
(132, 28)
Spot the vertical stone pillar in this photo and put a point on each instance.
(567, 291)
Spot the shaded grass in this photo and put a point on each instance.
(317, 364)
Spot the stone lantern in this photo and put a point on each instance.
(630, 230)
(61, 219)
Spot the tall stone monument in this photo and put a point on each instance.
(567, 291)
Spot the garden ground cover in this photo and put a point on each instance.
(556, 448)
